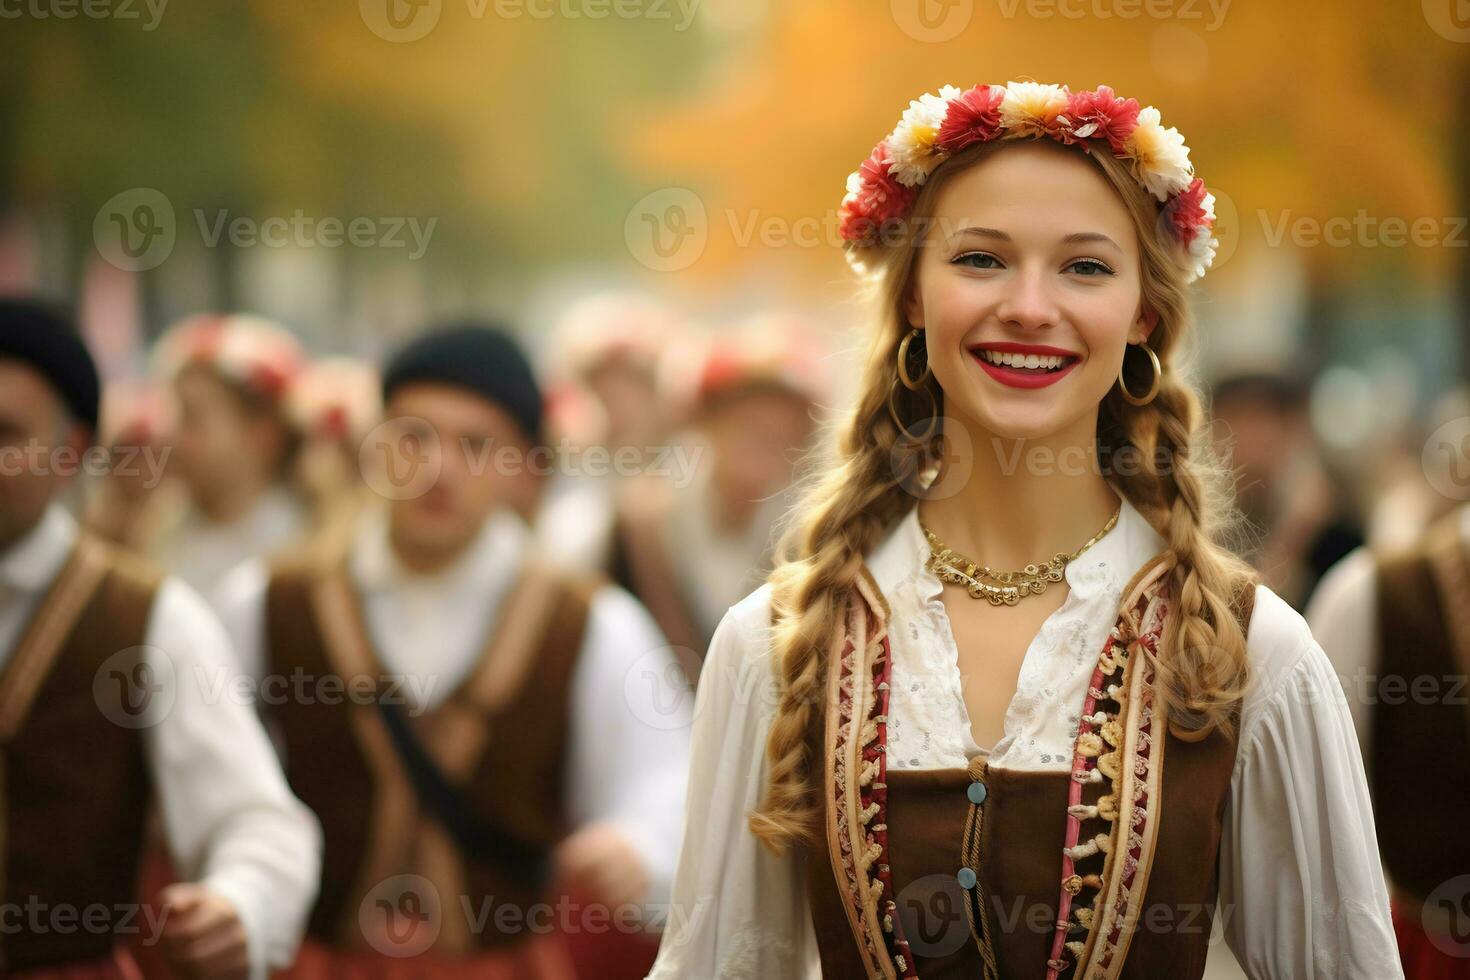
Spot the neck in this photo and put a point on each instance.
(424, 559)
(230, 503)
(732, 512)
(1023, 500)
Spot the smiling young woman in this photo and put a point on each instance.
(1008, 707)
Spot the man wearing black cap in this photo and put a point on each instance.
(107, 701)
(507, 733)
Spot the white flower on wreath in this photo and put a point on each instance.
(1160, 157)
(1028, 106)
(911, 144)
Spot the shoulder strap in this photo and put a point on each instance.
(45, 635)
(478, 837)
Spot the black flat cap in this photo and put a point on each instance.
(46, 338)
(477, 357)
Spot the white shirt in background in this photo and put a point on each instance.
(630, 718)
(202, 552)
(231, 822)
(1343, 614)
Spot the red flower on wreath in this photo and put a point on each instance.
(875, 198)
(973, 117)
(1099, 115)
(1186, 212)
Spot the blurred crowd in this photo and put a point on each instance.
(464, 507)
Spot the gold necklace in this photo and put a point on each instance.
(951, 566)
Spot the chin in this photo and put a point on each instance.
(433, 530)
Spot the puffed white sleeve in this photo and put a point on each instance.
(231, 821)
(1343, 616)
(630, 735)
(1302, 893)
(738, 910)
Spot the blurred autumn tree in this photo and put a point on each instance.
(530, 138)
(1293, 112)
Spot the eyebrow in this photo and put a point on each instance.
(1078, 237)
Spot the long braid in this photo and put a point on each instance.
(1186, 489)
(843, 516)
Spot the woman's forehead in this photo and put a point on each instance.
(1030, 189)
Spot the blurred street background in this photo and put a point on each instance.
(354, 170)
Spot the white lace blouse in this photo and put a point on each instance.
(1301, 889)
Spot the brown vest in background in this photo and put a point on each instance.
(1419, 749)
(76, 785)
(1022, 836)
(501, 737)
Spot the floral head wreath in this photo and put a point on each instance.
(935, 126)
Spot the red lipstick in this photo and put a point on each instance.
(1015, 376)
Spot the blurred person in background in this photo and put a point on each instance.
(1404, 502)
(1394, 616)
(130, 503)
(605, 410)
(333, 406)
(105, 673)
(234, 446)
(511, 763)
(1396, 624)
(690, 550)
(1300, 515)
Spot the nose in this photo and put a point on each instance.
(1027, 302)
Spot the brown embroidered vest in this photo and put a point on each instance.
(76, 785)
(501, 737)
(887, 882)
(1420, 743)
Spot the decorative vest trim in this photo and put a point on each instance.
(1063, 861)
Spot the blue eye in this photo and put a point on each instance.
(1093, 264)
(967, 257)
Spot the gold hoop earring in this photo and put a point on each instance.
(903, 363)
(903, 429)
(1153, 389)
